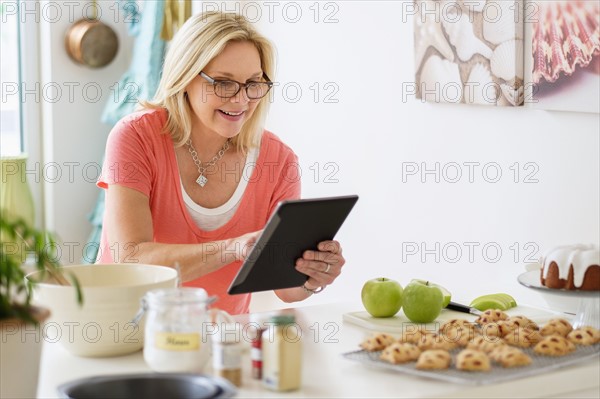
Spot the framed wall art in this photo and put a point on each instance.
(469, 51)
(563, 55)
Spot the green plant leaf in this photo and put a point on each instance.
(17, 240)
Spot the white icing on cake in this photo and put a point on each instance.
(579, 256)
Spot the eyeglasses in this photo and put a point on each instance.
(229, 88)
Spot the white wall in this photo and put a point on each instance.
(72, 98)
(364, 139)
(374, 131)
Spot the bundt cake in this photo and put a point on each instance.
(572, 267)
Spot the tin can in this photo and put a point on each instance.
(282, 354)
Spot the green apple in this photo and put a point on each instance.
(484, 304)
(382, 297)
(507, 298)
(422, 301)
(447, 295)
(499, 301)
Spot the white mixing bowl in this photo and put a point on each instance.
(111, 298)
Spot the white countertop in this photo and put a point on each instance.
(327, 374)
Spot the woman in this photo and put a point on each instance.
(192, 178)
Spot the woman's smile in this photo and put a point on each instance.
(233, 116)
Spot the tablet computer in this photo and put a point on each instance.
(294, 226)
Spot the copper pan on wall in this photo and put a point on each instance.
(91, 43)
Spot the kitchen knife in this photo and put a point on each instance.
(462, 308)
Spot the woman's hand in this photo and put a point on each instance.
(243, 245)
(322, 266)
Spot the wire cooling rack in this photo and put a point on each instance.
(539, 365)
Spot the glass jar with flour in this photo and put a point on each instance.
(178, 326)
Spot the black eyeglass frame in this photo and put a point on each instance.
(214, 82)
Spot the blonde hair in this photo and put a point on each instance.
(198, 42)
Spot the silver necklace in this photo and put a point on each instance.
(202, 180)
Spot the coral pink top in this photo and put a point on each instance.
(140, 157)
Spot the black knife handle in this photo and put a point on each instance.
(459, 308)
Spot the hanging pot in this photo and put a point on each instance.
(91, 43)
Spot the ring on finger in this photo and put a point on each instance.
(327, 269)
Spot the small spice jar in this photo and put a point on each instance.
(282, 354)
(227, 353)
(255, 332)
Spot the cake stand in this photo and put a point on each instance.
(588, 312)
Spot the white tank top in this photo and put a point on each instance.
(209, 219)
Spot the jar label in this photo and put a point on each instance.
(177, 341)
